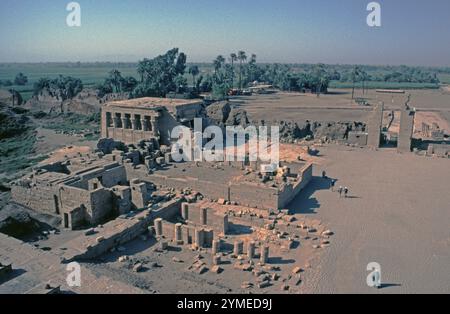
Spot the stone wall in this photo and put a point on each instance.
(374, 126)
(118, 232)
(214, 221)
(406, 130)
(36, 197)
(244, 193)
(291, 191)
(254, 195)
(101, 202)
(439, 150)
(357, 138)
(209, 189)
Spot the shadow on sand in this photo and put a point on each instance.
(389, 285)
(304, 203)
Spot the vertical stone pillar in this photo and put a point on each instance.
(158, 227)
(124, 121)
(216, 259)
(168, 158)
(105, 123)
(238, 247)
(185, 211)
(374, 126)
(215, 247)
(264, 258)
(178, 234)
(251, 249)
(199, 237)
(203, 216)
(133, 122)
(144, 124)
(116, 121)
(404, 142)
(155, 125)
(163, 245)
(225, 224)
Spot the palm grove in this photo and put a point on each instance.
(169, 73)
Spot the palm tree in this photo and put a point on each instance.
(241, 57)
(116, 79)
(233, 58)
(354, 76)
(323, 82)
(364, 78)
(142, 68)
(218, 62)
(194, 71)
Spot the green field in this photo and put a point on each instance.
(384, 85)
(444, 78)
(90, 74)
(94, 73)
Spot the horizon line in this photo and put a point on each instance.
(210, 62)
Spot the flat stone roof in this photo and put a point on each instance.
(151, 103)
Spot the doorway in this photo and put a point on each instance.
(66, 220)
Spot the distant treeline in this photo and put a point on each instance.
(170, 73)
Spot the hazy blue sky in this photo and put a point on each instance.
(329, 31)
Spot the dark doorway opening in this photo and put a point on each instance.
(66, 220)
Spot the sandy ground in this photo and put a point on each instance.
(160, 266)
(49, 141)
(338, 106)
(397, 215)
(68, 151)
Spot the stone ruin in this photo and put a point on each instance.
(134, 162)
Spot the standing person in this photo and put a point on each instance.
(340, 191)
(346, 191)
(333, 182)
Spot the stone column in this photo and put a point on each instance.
(204, 216)
(178, 234)
(216, 259)
(158, 227)
(185, 211)
(225, 224)
(251, 249)
(168, 158)
(144, 124)
(238, 247)
(116, 121)
(155, 125)
(133, 122)
(264, 258)
(124, 121)
(215, 246)
(199, 239)
(163, 245)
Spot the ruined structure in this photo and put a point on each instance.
(374, 125)
(87, 190)
(131, 121)
(406, 129)
(82, 196)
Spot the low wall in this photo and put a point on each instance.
(118, 232)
